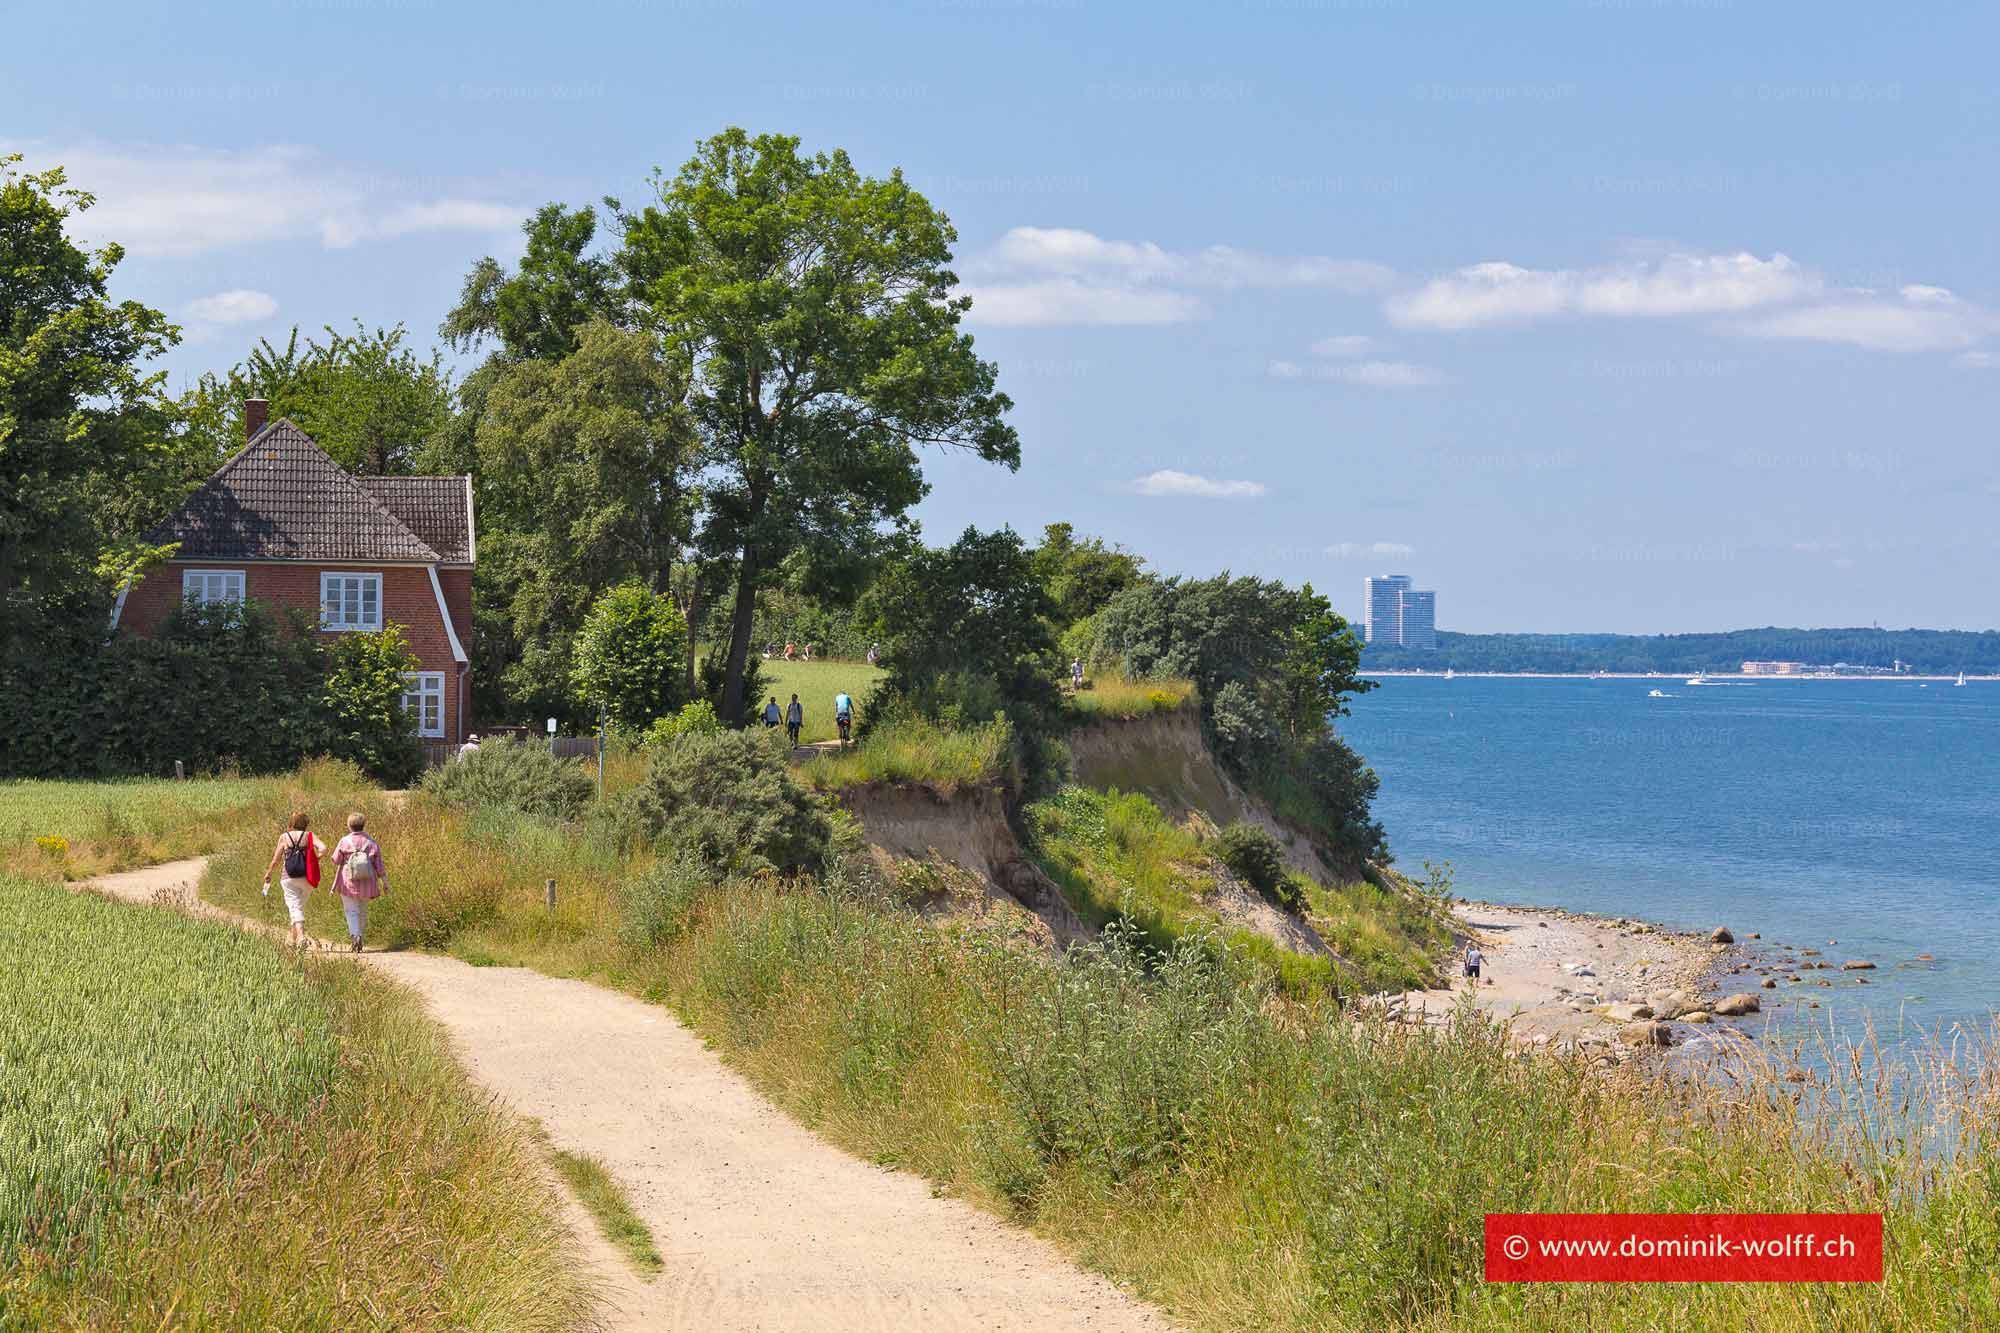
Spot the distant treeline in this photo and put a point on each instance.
(1921, 650)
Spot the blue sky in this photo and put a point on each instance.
(1629, 315)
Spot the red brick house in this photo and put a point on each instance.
(283, 524)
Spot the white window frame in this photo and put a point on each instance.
(331, 600)
(194, 583)
(424, 687)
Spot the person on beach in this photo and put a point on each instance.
(360, 876)
(1474, 960)
(771, 713)
(300, 855)
(795, 717)
(843, 715)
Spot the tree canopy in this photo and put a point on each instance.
(814, 316)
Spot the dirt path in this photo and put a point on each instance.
(763, 1225)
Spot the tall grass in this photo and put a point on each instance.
(916, 749)
(1114, 698)
(50, 831)
(385, 1191)
(1260, 1167)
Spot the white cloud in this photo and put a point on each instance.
(1065, 275)
(1071, 301)
(1678, 284)
(1345, 345)
(1368, 374)
(1976, 361)
(1366, 550)
(1926, 319)
(237, 306)
(182, 200)
(1168, 482)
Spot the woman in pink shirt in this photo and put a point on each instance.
(358, 858)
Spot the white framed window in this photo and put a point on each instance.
(423, 701)
(211, 585)
(350, 601)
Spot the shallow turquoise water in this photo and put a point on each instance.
(1862, 812)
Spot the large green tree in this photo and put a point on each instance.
(76, 403)
(1082, 573)
(365, 397)
(814, 313)
(538, 311)
(582, 465)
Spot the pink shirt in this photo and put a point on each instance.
(351, 845)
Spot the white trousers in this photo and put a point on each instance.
(357, 915)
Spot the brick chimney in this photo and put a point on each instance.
(255, 412)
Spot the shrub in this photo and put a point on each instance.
(628, 655)
(695, 719)
(364, 700)
(516, 776)
(728, 799)
(1258, 859)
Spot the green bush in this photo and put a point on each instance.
(1258, 859)
(628, 655)
(522, 776)
(695, 719)
(729, 800)
(364, 701)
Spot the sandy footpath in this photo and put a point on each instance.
(1550, 973)
(763, 1226)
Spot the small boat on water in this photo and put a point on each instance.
(1697, 679)
(1447, 673)
(1658, 694)
(1960, 680)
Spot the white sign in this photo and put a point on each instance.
(552, 726)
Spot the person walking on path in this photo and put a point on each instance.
(300, 855)
(1474, 961)
(360, 877)
(771, 712)
(1076, 674)
(843, 715)
(795, 718)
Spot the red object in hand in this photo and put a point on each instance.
(312, 862)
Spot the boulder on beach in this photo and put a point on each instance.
(1695, 1016)
(1646, 1033)
(1721, 935)
(1857, 965)
(1737, 1005)
(1671, 1003)
(1627, 1013)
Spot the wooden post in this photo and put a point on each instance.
(551, 891)
(180, 771)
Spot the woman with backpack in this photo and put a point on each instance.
(361, 876)
(300, 855)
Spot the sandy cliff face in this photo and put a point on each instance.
(1163, 756)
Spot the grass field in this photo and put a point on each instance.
(202, 1132)
(917, 750)
(816, 683)
(55, 830)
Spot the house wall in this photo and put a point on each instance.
(407, 600)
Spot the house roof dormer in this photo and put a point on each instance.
(282, 498)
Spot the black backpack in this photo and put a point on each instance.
(295, 858)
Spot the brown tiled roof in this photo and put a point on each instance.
(282, 498)
(437, 509)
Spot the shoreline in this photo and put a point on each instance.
(1577, 980)
(1710, 677)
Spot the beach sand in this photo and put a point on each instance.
(1530, 982)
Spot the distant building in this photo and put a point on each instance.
(1774, 668)
(1398, 614)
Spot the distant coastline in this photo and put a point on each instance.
(1710, 677)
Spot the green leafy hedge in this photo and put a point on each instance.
(219, 687)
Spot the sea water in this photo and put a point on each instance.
(1859, 818)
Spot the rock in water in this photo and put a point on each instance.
(1721, 935)
(1737, 1005)
(1770, 984)
(1857, 965)
(1646, 1034)
(1695, 1016)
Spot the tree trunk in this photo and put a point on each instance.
(739, 639)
